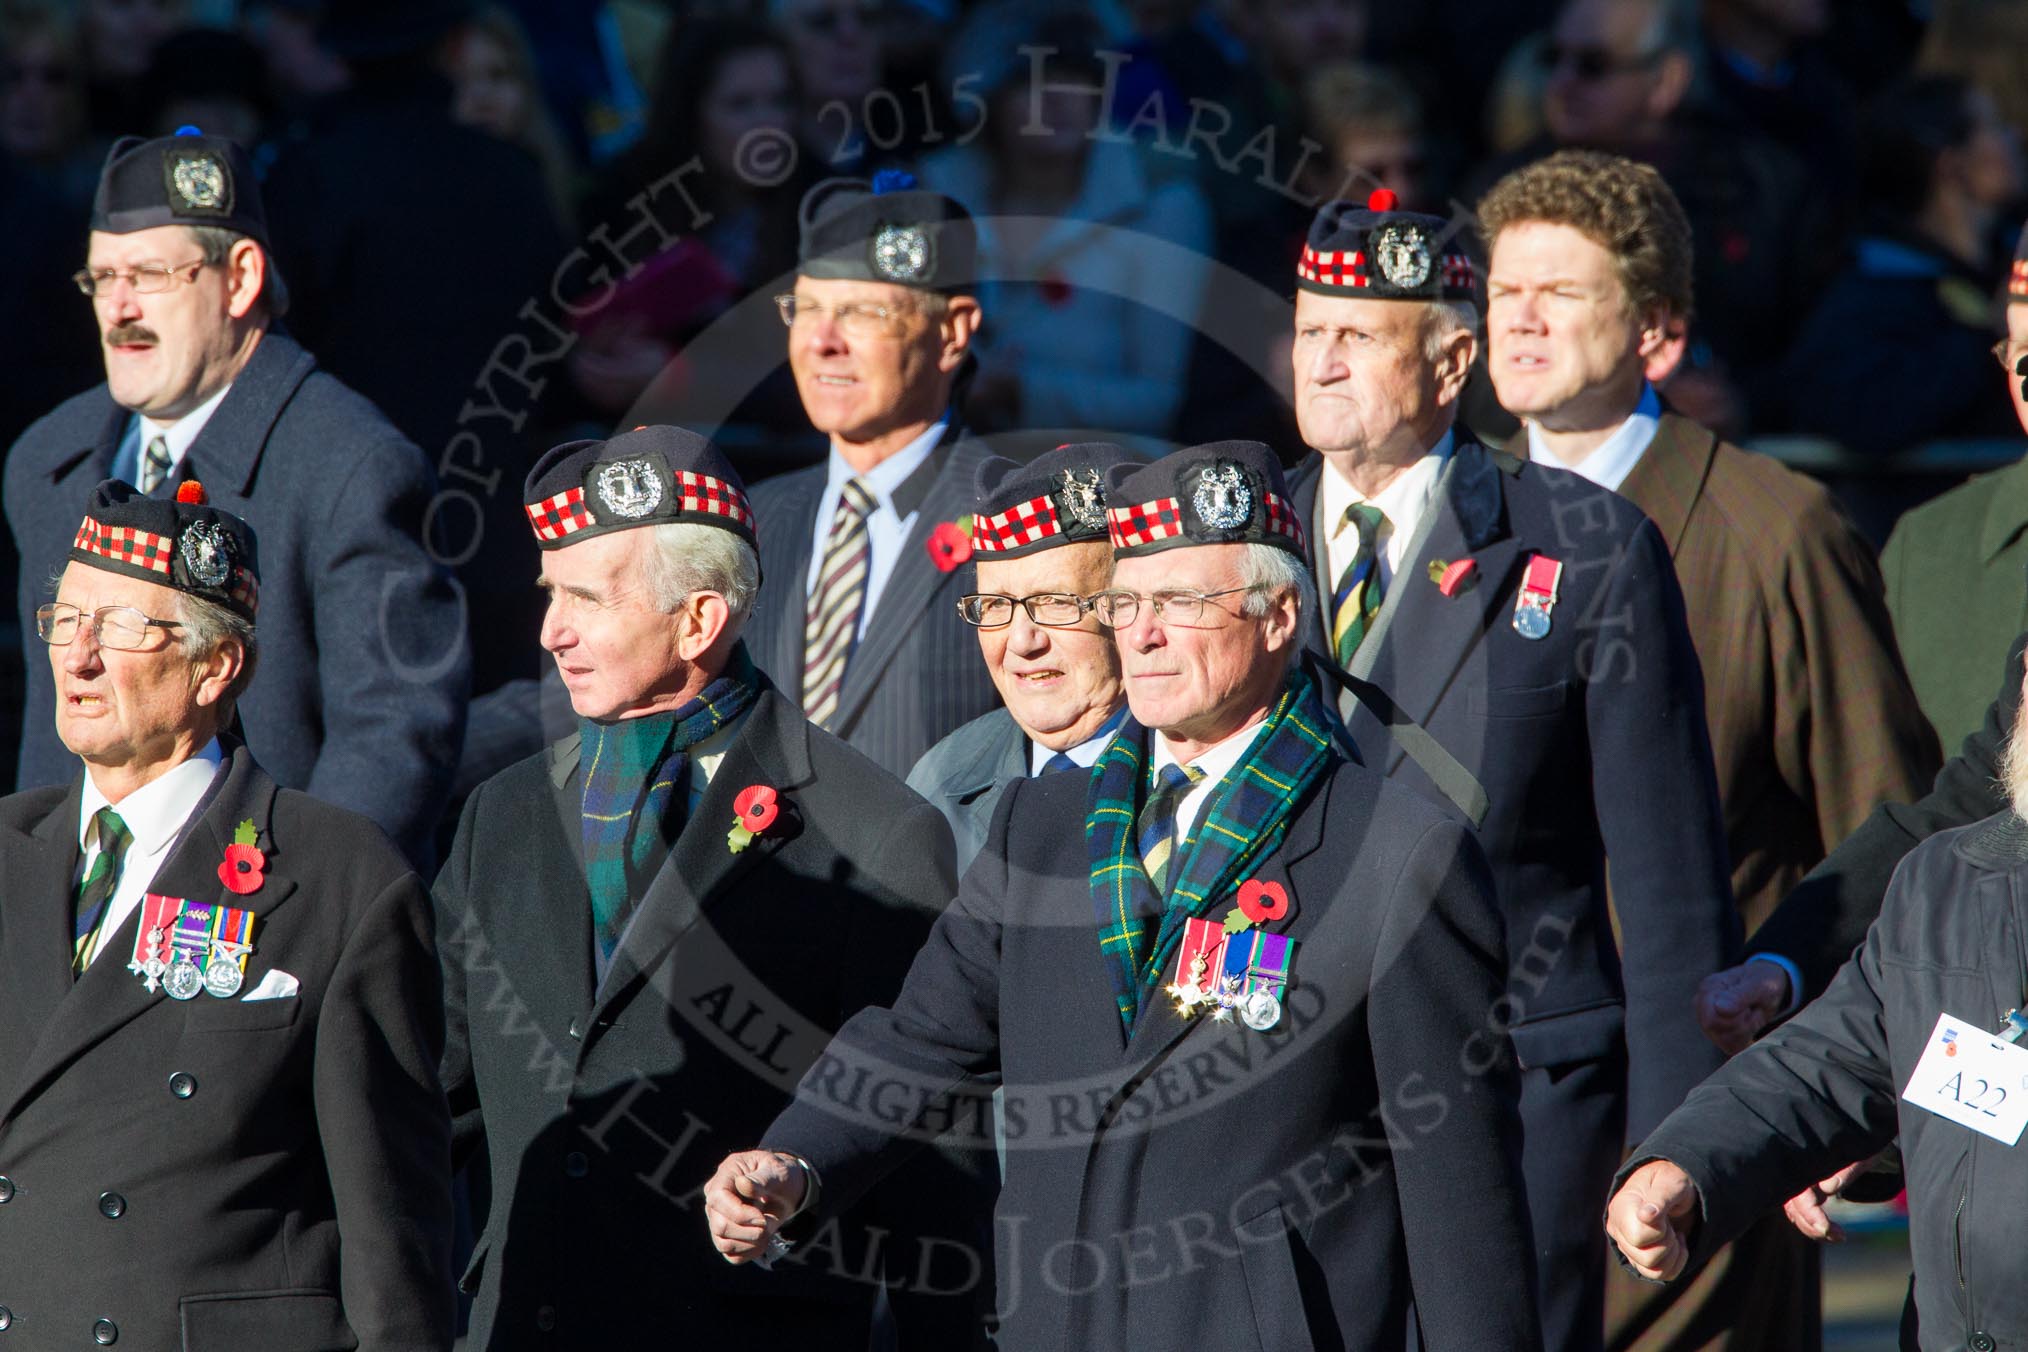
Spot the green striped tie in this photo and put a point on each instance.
(1357, 599)
(1155, 828)
(95, 892)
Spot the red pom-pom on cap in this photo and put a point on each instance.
(192, 492)
(1382, 199)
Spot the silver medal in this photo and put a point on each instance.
(1531, 620)
(223, 979)
(1260, 1010)
(185, 980)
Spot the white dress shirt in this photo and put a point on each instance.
(176, 438)
(155, 815)
(886, 529)
(1403, 502)
(1614, 459)
(1216, 761)
(1085, 753)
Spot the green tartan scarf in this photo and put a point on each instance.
(1245, 820)
(630, 770)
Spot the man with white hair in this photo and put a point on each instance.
(1253, 1097)
(1533, 624)
(649, 929)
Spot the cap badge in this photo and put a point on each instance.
(1081, 497)
(198, 181)
(901, 253)
(1402, 251)
(629, 488)
(1223, 501)
(207, 554)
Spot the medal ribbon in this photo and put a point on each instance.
(1539, 583)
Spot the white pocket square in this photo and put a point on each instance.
(276, 985)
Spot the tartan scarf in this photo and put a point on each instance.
(1245, 820)
(631, 771)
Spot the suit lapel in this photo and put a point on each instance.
(999, 754)
(545, 923)
(1668, 479)
(108, 996)
(913, 585)
(772, 748)
(227, 450)
(787, 536)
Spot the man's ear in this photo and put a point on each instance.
(1460, 349)
(702, 621)
(1657, 330)
(212, 676)
(246, 277)
(959, 325)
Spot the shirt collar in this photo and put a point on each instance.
(156, 811)
(1402, 501)
(1215, 760)
(183, 431)
(1085, 753)
(889, 475)
(1609, 465)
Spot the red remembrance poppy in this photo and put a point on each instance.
(243, 869)
(756, 807)
(1261, 902)
(950, 546)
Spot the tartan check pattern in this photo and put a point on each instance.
(1334, 267)
(1284, 520)
(559, 514)
(1359, 593)
(2017, 280)
(1245, 820)
(831, 624)
(1155, 827)
(1023, 524)
(125, 544)
(245, 589)
(701, 494)
(1144, 522)
(1459, 274)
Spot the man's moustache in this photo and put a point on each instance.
(132, 333)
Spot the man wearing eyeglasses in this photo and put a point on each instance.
(1532, 623)
(220, 1118)
(1039, 540)
(1236, 988)
(864, 554)
(361, 700)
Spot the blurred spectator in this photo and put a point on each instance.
(1292, 38)
(208, 78)
(1621, 75)
(300, 69)
(1896, 353)
(1513, 112)
(1769, 71)
(1447, 47)
(43, 117)
(499, 91)
(725, 91)
(1094, 250)
(1369, 122)
(838, 52)
(1954, 565)
(1984, 43)
(120, 38)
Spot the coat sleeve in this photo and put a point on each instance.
(1440, 974)
(1657, 802)
(1806, 1100)
(395, 667)
(457, 938)
(1818, 925)
(385, 1129)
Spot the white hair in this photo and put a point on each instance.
(207, 627)
(1271, 570)
(1443, 321)
(2013, 777)
(684, 557)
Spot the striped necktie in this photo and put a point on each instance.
(95, 890)
(155, 464)
(831, 626)
(1357, 599)
(1155, 828)
(1058, 761)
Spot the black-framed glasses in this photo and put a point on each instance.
(149, 278)
(117, 626)
(1593, 63)
(1052, 610)
(1118, 609)
(858, 318)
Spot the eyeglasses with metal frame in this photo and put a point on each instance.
(120, 627)
(1119, 609)
(148, 279)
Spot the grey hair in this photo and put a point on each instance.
(1271, 570)
(207, 626)
(1445, 320)
(214, 243)
(684, 557)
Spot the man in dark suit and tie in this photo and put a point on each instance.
(220, 1120)
(649, 929)
(1258, 1090)
(1533, 624)
(865, 554)
(1039, 541)
(361, 698)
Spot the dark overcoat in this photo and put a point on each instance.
(217, 1175)
(604, 1110)
(1590, 742)
(1201, 1184)
(964, 775)
(359, 698)
(915, 674)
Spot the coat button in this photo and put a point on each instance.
(575, 1165)
(545, 1319)
(105, 1333)
(6, 1190)
(1981, 1342)
(183, 1084)
(112, 1206)
(6, 1318)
